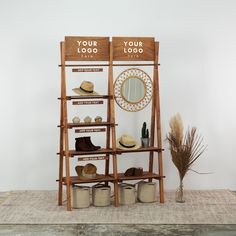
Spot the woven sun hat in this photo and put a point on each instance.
(86, 89)
(89, 171)
(127, 142)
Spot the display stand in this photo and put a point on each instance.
(103, 51)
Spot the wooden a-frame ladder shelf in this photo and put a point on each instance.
(105, 52)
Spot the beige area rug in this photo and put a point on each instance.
(201, 207)
(4, 196)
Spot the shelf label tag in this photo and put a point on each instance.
(90, 130)
(133, 49)
(92, 158)
(86, 48)
(87, 70)
(87, 102)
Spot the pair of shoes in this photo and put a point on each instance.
(134, 171)
(85, 144)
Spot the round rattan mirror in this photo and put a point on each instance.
(133, 90)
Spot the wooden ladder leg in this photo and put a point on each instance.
(160, 165)
(65, 127)
(152, 136)
(113, 129)
(60, 185)
(108, 133)
(107, 168)
(158, 120)
(116, 201)
(61, 157)
(68, 189)
(68, 192)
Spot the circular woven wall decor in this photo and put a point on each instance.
(122, 101)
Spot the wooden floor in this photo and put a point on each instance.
(110, 230)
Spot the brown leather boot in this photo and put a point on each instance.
(138, 171)
(85, 144)
(81, 145)
(130, 172)
(90, 144)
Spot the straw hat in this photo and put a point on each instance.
(127, 142)
(86, 88)
(89, 171)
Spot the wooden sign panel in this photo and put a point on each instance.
(86, 48)
(87, 70)
(92, 158)
(90, 130)
(87, 102)
(133, 49)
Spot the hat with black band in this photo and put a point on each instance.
(86, 89)
(127, 142)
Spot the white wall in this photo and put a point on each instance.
(197, 78)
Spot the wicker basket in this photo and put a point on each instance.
(126, 194)
(80, 197)
(146, 191)
(101, 195)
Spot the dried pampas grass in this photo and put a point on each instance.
(185, 149)
(177, 128)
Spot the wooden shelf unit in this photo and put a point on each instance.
(110, 53)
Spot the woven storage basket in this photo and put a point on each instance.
(80, 197)
(101, 195)
(126, 194)
(146, 191)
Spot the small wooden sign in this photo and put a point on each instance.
(92, 158)
(133, 49)
(87, 70)
(90, 130)
(86, 48)
(87, 102)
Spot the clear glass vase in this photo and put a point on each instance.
(180, 193)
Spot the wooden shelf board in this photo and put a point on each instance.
(121, 64)
(99, 151)
(86, 97)
(77, 180)
(110, 178)
(146, 175)
(148, 149)
(110, 151)
(92, 124)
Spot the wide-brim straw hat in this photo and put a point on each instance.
(86, 89)
(127, 142)
(82, 175)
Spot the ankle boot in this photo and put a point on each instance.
(90, 144)
(81, 145)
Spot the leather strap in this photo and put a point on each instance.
(126, 146)
(85, 90)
